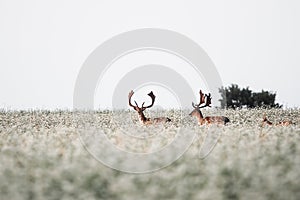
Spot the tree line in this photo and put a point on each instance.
(235, 97)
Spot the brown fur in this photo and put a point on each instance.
(281, 123)
(204, 98)
(209, 119)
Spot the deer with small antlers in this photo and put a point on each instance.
(280, 123)
(140, 110)
(206, 100)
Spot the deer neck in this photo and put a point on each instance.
(142, 117)
(199, 115)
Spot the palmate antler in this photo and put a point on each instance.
(206, 100)
(202, 100)
(136, 107)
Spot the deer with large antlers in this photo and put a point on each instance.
(280, 123)
(206, 101)
(140, 110)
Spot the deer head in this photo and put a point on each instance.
(136, 106)
(140, 110)
(204, 99)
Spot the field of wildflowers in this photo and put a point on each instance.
(42, 157)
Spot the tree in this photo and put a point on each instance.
(235, 97)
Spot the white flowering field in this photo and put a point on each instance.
(42, 157)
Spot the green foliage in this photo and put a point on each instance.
(235, 97)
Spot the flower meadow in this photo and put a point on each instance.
(43, 156)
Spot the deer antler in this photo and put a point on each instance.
(152, 98)
(208, 101)
(144, 108)
(129, 99)
(202, 99)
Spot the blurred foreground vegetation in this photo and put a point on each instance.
(41, 157)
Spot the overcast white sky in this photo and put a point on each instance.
(43, 44)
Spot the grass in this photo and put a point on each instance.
(42, 157)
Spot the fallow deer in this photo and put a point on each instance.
(140, 110)
(280, 123)
(209, 119)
